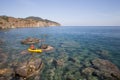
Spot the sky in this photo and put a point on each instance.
(66, 12)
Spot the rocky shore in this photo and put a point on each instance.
(11, 22)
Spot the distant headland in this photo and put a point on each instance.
(7, 22)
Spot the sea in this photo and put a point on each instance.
(72, 44)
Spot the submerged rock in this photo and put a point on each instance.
(1, 41)
(6, 74)
(48, 48)
(44, 46)
(3, 58)
(70, 78)
(88, 71)
(103, 53)
(104, 69)
(4, 78)
(59, 62)
(6, 71)
(24, 52)
(0, 50)
(71, 59)
(30, 40)
(30, 68)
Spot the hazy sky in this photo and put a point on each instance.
(66, 12)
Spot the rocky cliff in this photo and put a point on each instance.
(11, 22)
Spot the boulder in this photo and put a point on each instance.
(30, 68)
(105, 69)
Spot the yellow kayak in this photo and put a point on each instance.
(35, 50)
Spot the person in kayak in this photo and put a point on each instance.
(32, 47)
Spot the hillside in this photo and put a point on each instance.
(11, 22)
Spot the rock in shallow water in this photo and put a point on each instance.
(30, 40)
(44, 46)
(59, 62)
(2, 41)
(88, 71)
(6, 74)
(24, 52)
(5, 71)
(48, 48)
(3, 58)
(71, 59)
(30, 68)
(105, 69)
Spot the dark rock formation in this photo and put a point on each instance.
(71, 59)
(30, 40)
(11, 22)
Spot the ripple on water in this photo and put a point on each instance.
(75, 48)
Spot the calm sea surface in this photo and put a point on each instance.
(81, 43)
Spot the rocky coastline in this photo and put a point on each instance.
(7, 22)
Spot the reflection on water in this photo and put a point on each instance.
(75, 48)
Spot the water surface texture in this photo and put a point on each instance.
(74, 47)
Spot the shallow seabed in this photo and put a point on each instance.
(75, 48)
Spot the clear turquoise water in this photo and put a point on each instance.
(81, 43)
